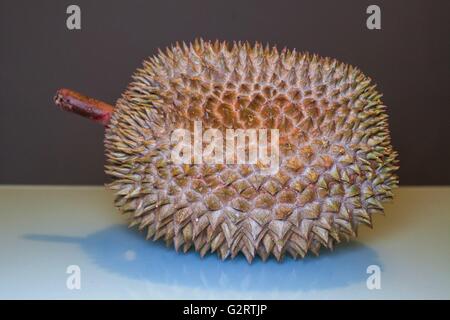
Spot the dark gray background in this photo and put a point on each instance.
(408, 59)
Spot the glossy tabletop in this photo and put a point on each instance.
(44, 230)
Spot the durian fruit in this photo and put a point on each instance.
(337, 165)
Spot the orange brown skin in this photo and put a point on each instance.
(337, 163)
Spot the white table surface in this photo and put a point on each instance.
(45, 229)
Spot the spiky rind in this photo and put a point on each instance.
(337, 165)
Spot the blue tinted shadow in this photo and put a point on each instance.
(124, 251)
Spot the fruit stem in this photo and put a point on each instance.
(82, 105)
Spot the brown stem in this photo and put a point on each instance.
(90, 108)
